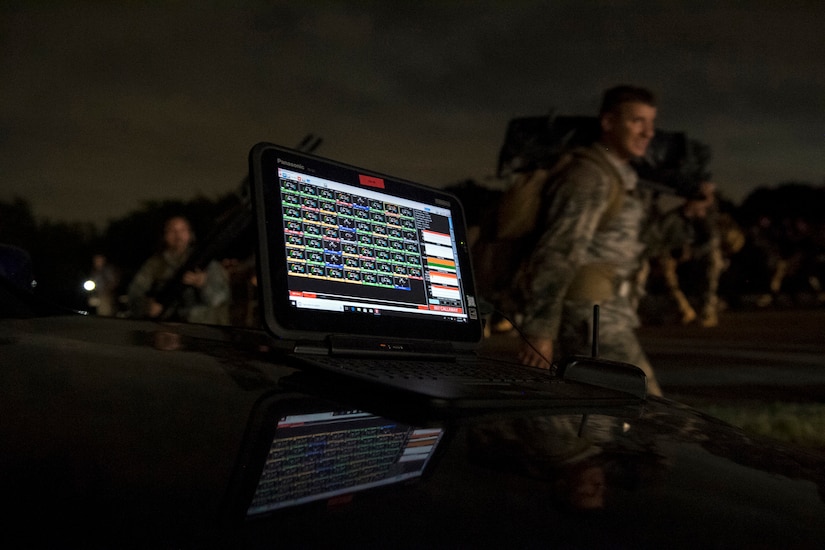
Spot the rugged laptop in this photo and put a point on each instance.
(369, 277)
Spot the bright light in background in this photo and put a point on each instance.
(89, 285)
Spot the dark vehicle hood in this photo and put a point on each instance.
(130, 421)
(130, 433)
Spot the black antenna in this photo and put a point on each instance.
(309, 143)
(595, 345)
(314, 145)
(304, 142)
(594, 351)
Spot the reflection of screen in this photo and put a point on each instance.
(353, 249)
(322, 455)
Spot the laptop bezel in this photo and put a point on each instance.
(287, 322)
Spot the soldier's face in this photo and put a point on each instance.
(177, 235)
(628, 131)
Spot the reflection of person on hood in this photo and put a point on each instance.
(583, 486)
(558, 448)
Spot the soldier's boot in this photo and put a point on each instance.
(687, 311)
(710, 313)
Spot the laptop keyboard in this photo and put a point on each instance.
(480, 370)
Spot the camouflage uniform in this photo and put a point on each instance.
(584, 257)
(694, 244)
(209, 304)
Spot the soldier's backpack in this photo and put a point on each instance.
(508, 238)
(520, 206)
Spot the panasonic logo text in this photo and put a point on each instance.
(291, 164)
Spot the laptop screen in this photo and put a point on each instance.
(349, 251)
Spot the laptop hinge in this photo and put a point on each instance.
(343, 345)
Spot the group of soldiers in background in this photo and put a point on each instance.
(690, 247)
(768, 251)
(706, 254)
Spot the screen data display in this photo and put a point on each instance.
(355, 249)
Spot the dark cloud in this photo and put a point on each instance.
(104, 106)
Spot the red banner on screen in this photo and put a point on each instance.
(371, 181)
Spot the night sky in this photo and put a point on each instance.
(103, 107)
